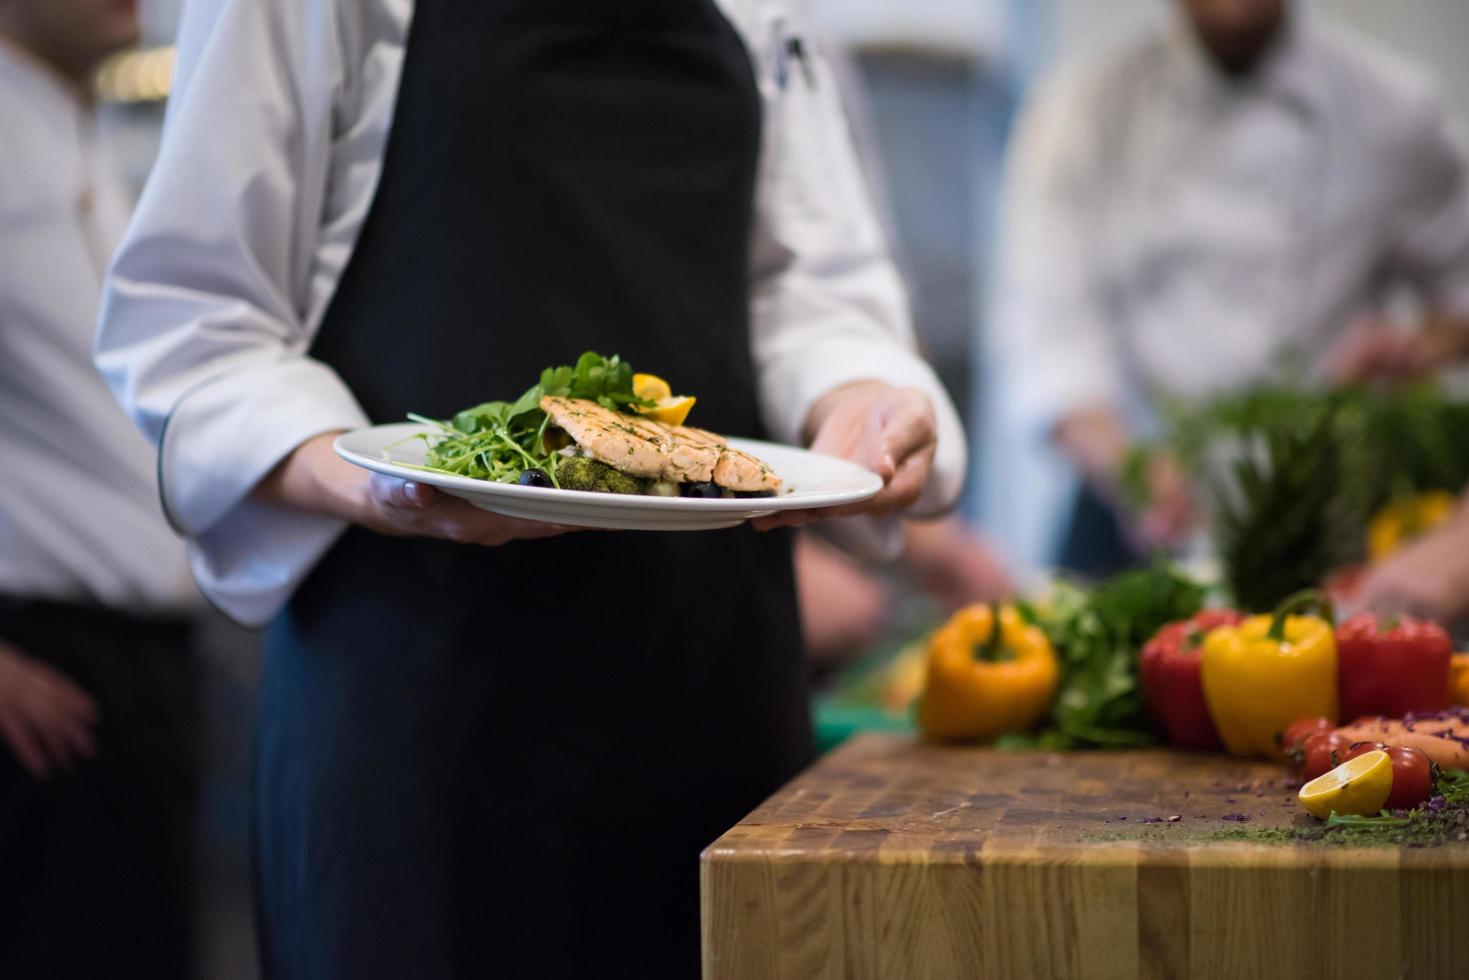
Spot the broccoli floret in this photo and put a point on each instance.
(582, 473)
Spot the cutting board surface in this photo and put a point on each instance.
(895, 858)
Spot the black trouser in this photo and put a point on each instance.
(96, 864)
(1094, 546)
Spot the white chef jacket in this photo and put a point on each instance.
(270, 157)
(79, 514)
(1169, 234)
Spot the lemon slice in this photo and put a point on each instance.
(651, 387)
(671, 411)
(1358, 787)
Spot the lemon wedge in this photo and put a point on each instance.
(1358, 787)
(651, 387)
(671, 411)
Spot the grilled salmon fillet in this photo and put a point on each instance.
(698, 437)
(655, 451)
(743, 473)
(736, 470)
(621, 441)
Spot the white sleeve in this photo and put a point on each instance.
(828, 305)
(1049, 331)
(1430, 243)
(203, 331)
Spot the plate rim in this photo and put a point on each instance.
(612, 501)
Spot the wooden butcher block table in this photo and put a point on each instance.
(892, 859)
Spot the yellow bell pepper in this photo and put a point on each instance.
(1269, 671)
(983, 682)
(1403, 520)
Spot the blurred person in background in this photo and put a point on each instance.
(96, 673)
(1212, 206)
(848, 605)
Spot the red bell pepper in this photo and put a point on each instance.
(1171, 685)
(1395, 668)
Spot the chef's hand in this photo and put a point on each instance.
(1377, 349)
(889, 430)
(953, 563)
(1099, 443)
(315, 479)
(1171, 512)
(45, 719)
(1428, 577)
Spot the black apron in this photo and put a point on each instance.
(505, 762)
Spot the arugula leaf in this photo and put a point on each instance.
(480, 417)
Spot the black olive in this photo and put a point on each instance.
(534, 478)
(754, 494)
(701, 490)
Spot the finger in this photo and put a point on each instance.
(51, 732)
(912, 476)
(904, 488)
(795, 518)
(864, 445)
(83, 743)
(76, 729)
(459, 520)
(65, 694)
(27, 752)
(65, 718)
(909, 432)
(1352, 361)
(1384, 599)
(403, 494)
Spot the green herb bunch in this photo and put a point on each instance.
(499, 440)
(1282, 526)
(1315, 465)
(1098, 636)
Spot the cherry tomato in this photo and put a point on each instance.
(1301, 729)
(1412, 778)
(1354, 750)
(1317, 750)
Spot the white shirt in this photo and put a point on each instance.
(79, 513)
(270, 157)
(1167, 235)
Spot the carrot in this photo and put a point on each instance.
(1442, 736)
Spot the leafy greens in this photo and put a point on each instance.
(1098, 636)
(499, 440)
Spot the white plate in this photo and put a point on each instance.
(810, 480)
